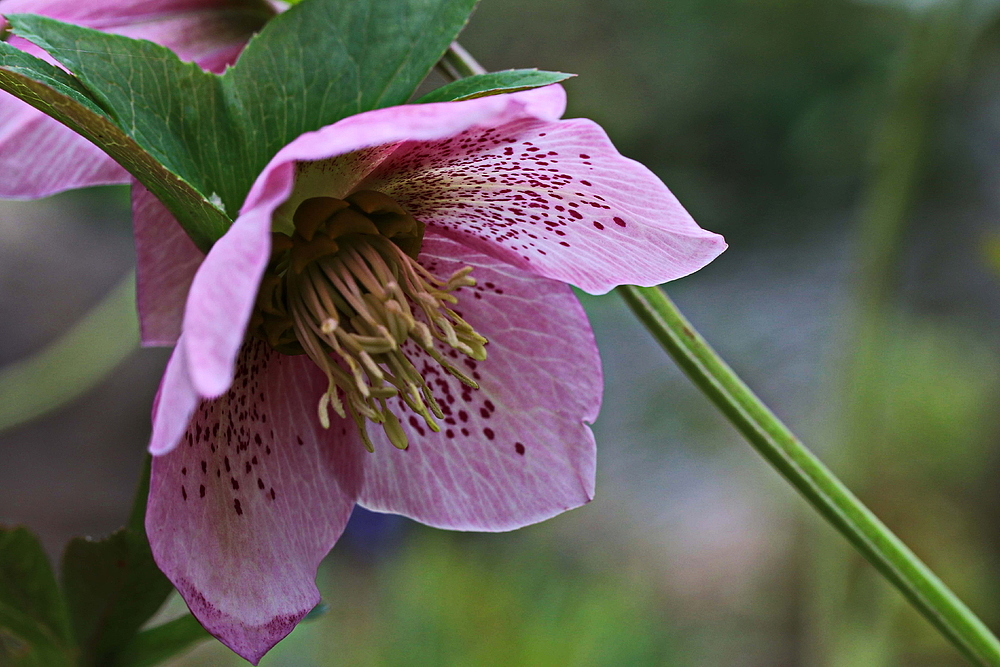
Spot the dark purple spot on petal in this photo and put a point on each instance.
(488, 432)
(519, 448)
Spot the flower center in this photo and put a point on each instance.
(346, 290)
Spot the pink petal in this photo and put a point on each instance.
(551, 197)
(518, 450)
(242, 512)
(343, 150)
(166, 261)
(504, 175)
(174, 404)
(38, 155)
(221, 300)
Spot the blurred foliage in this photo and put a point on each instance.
(551, 613)
(751, 111)
(74, 363)
(445, 599)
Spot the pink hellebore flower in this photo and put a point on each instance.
(38, 155)
(396, 282)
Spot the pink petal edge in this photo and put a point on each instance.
(554, 198)
(221, 300)
(174, 403)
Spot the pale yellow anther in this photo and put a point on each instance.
(397, 436)
(324, 416)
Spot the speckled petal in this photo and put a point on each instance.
(333, 161)
(242, 512)
(551, 197)
(519, 449)
(504, 175)
(38, 155)
(166, 262)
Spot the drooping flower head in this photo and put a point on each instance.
(389, 323)
(38, 155)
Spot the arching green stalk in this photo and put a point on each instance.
(800, 467)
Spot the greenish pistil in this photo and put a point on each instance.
(346, 290)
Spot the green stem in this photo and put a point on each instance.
(772, 439)
(457, 63)
(776, 443)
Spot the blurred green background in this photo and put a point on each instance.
(850, 152)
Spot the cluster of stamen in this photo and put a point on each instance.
(345, 289)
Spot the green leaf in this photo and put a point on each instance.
(34, 626)
(493, 83)
(58, 94)
(113, 586)
(324, 60)
(313, 65)
(25, 642)
(153, 646)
